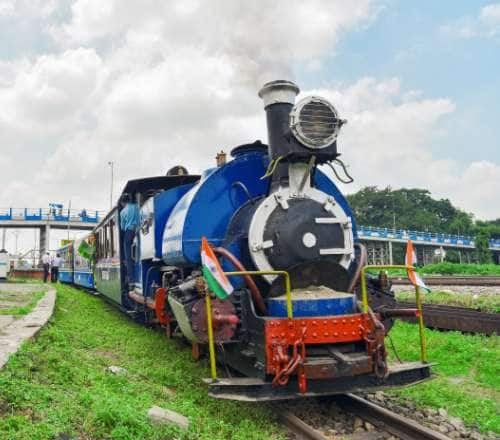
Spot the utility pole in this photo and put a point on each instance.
(111, 165)
(69, 215)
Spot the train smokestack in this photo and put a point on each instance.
(279, 99)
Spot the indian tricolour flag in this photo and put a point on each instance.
(411, 260)
(212, 272)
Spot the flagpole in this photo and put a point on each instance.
(421, 329)
(211, 345)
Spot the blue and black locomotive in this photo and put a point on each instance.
(270, 208)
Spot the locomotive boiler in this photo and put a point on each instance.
(270, 211)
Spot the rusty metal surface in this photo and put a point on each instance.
(223, 317)
(402, 427)
(452, 281)
(299, 427)
(248, 389)
(458, 318)
(346, 328)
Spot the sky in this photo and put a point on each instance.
(154, 83)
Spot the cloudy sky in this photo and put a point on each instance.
(152, 83)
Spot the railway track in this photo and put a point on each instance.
(385, 420)
(457, 318)
(453, 281)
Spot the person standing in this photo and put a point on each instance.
(56, 264)
(129, 223)
(46, 266)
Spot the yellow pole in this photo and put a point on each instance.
(283, 273)
(418, 300)
(211, 345)
(421, 329)
(288, 288)
(364, 294)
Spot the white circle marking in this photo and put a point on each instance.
(309, 239)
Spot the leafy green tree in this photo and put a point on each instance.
(408, 208)
(483, 252)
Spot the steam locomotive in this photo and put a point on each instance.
(269, 210)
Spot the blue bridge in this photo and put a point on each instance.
(379, 241)
(430, 246)
(45, 219)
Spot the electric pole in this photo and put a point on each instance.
(111, 165)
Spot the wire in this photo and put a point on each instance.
(271, 168)
(394, 349)
(344, 168)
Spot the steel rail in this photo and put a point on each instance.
(382, 418)
(299, 427)
(459, 319)
(452, 281)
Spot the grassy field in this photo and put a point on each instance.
(451, 269)
(467, 372)
(20, 303)
(461, 269)
(59, 386)
(485, 303)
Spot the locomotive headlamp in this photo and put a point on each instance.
(315, 122)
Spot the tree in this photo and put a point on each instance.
(482, 246)
(408, 208)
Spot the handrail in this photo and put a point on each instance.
(434, 237)
(284, 273)
(51, 214)
(208, 302)
(418, 300)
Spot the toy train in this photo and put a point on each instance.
(268, 211)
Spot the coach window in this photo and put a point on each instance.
(98, 244)
(112, 238)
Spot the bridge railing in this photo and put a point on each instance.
(419, 236)
(51, 214)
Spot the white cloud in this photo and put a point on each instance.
(157, 83)
(7, 8)
(486, 24)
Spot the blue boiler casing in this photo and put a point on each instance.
(208, 207)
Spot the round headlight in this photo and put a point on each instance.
(315, 122)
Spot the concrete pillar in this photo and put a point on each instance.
(391, 260)
(4, 231)
(441, 254)
(44, 239)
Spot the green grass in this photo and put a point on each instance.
(450, 269)
(467, 380)
(461, 269)
(60, 382)
(485, 303)
(24, 310)
(25, 280)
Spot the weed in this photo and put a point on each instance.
(60, 384)
(25, 309)
(485, 303)
(467, 369)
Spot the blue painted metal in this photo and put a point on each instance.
(84, 278)
(324, 306)
(164, 203)
(424, 238)
(207, 208)
(66, 276)
(40, 214)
